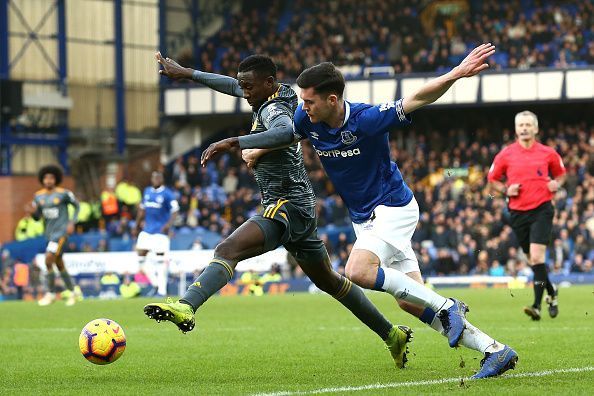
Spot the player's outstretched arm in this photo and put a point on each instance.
(473, 64)
(174, 70)
(273, 138)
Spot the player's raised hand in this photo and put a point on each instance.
(476, 61)
(172, 69)
(215, 148)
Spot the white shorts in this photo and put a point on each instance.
(388, 236)
(52, 247)
(156, 243)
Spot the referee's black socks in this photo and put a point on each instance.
(541, 281)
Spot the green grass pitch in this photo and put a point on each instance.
(294, 343)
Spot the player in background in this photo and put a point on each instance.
(51, 204)
(158, 210)
(527, 166)
(352, 142)
(289, 216)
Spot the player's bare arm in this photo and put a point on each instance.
(473, 64)
(139, 218)
(72, 223)
(169, 224)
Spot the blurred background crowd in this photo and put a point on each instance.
(396, 37)
(462, 228)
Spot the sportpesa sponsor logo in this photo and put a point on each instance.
(339, 153)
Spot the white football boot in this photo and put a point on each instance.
(47, 299)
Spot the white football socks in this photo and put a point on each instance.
(162, 275)
(472, 337)
(148, 267)
(404, 288)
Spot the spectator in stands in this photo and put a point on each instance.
(197, 244)
(28, 227)
(272, 276)
(406, 36)
(129, 288)
(496, 269)
(109, 204)
(128, 195)
(455, 211)
(20, 278)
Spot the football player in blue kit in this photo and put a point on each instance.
(352, 141)
(158, 210)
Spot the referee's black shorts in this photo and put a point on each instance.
(534, 225)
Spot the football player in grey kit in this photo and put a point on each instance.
(51, 204)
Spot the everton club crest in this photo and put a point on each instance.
(347, 137)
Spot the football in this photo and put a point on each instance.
(102, 341)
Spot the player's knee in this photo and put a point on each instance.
(537, 258)
(50, 259)
(359, 274)
(227, 250)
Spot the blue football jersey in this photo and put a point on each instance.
(158, 204)
(356, 156)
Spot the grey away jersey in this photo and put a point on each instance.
(53, 208)
(281, 173)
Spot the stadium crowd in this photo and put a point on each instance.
(402, 35)
(462, 228)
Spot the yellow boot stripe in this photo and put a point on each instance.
(224, 264)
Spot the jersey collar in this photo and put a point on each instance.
(275, 95)
(347, 113)
(158, 189)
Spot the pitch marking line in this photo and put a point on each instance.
(421, 383)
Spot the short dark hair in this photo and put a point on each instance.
(324, 78)
(260, 64)
(52, 170)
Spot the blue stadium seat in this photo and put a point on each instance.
(120, 245)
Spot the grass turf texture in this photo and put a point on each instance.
(246, 345)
